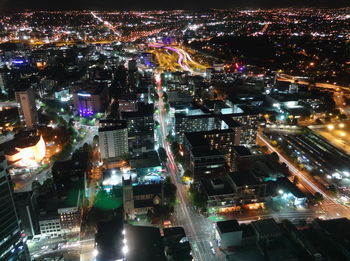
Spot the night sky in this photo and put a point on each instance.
(19, 5)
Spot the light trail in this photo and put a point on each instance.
(295, 171)
(183, 57)
(174, 170)
(289, 78)
(106, 23)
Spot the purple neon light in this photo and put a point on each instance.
(86, 112)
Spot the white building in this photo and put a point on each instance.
(113, 138)
(50, 227)
(26, 107)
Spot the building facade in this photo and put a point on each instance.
(90, 100)
(26, 107)
(12, 245)
(113, 138)
(194, 123)
(140, 129)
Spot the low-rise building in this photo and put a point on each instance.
(141, 198)
(206, 163)
(228, 233)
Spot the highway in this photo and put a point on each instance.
(197, 227)
(183, 59)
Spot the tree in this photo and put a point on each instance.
(179, 159)
(155, 96)
(318, 196)
(274, 156)
(170, 191)
(167, 107)
(162, 154)
(272, 118)
(170, 137)
(318, 121)
(198, 197)
(95, 140)
(332, 189)
(175, 147)
(126, 157)
(187, 173)
(86, 147)
(47, 186)
(165, 96)
(36, 186)
(343, 116)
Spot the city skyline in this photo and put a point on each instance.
(21, 5)
(182, 135)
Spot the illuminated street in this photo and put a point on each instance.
(198, 228)
(174, 131)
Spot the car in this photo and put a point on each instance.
(213, 251)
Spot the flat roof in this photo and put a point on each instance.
(144, 243)
(222, 190)
(243, 178)
(242, 150)
(117, 125)
(266, 227)
(287, 185)
(228, 226)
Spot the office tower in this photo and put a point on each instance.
(26, 107)
(12, 245)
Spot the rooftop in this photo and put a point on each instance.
(148, 189)
(266, 227)
(243, 178)
(242, 151)
(228, 226)
(110, 125)
(144, 243)
(213, 188)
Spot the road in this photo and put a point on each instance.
(331, 207)
(24, 181)
(198, 229)
(289, 78)
(183, 59)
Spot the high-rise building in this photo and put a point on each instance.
(26, 106)
(140, 128)
(12, 245)
(28, 211)
(113, 138)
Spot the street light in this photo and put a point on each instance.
(341, 125)
(125, 249)
(95, 252)
(343, 134)
(330, 127)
